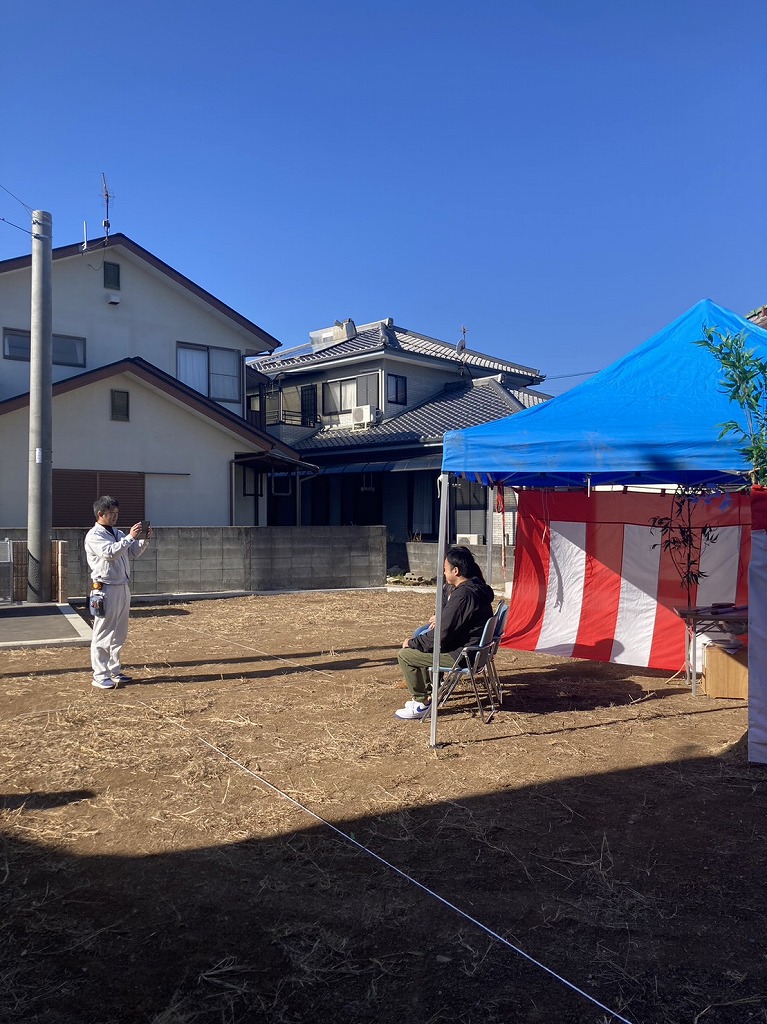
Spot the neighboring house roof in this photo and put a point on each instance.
(758, 316)
(386, 336)
(266, 341)
(462, 404)
(272, 449)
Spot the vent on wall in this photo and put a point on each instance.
(469, 540)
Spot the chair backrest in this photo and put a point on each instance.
(484, 649)
(500, 619)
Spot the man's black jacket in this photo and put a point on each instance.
(463, 618)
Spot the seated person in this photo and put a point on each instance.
(468, 608)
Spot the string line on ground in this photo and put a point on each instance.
(392, 867)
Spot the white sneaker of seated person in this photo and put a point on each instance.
(412, 709)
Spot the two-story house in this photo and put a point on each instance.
(149, 393)
(369, 405)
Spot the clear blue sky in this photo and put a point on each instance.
(561, 176)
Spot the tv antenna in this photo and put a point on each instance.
(461, 345)
(106, 196)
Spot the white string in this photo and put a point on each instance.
(392, 867)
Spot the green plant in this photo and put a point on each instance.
(744, 382)
(681, 539)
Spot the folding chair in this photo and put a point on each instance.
(472, 664)
(500, 622)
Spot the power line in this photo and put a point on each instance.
(29, 208)
(563, 376)
(17, 226)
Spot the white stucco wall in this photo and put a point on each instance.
(163, 439)
(153, 314)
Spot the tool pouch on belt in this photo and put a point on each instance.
(96, 602)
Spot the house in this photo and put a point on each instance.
(369, 406)
(149, 393)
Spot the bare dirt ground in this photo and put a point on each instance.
(166, 859)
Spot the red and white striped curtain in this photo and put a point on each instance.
(592, 579)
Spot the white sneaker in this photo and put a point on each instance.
(412, 709)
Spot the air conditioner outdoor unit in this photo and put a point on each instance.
(468, 539)
(363, 415)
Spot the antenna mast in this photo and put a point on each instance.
(106, 196)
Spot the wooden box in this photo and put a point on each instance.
(725, 674)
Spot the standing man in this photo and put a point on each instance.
(108, 552)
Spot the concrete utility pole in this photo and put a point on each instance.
(40, 489)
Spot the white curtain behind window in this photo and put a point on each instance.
(348, 394)
(192, 365)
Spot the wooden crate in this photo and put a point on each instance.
(725, 674)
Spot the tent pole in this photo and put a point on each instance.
(444, 502)
(489, 533)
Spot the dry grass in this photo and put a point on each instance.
(604, 822)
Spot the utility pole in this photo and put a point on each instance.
(40, 490)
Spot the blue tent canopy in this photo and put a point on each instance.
(652, 417)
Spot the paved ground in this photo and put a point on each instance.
(29, 625)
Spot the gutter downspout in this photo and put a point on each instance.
(231, 491)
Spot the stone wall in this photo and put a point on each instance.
(195, 560)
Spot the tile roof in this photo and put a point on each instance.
(381, 337)
(181, 393)
(758, 316)
(465, 404)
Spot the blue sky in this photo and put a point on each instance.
(563, 178)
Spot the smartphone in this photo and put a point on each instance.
(145, 524)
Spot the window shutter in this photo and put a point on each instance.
(112, 276)
(75, 490)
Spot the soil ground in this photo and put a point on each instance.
(246, 834)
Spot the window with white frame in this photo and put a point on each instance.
(215, 372)
(67, 351)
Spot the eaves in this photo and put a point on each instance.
(392, 445)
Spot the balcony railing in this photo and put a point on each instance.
(289, 419)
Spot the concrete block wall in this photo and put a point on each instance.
(421, 558)
(198, 560)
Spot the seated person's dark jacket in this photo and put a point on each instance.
(463, 618)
